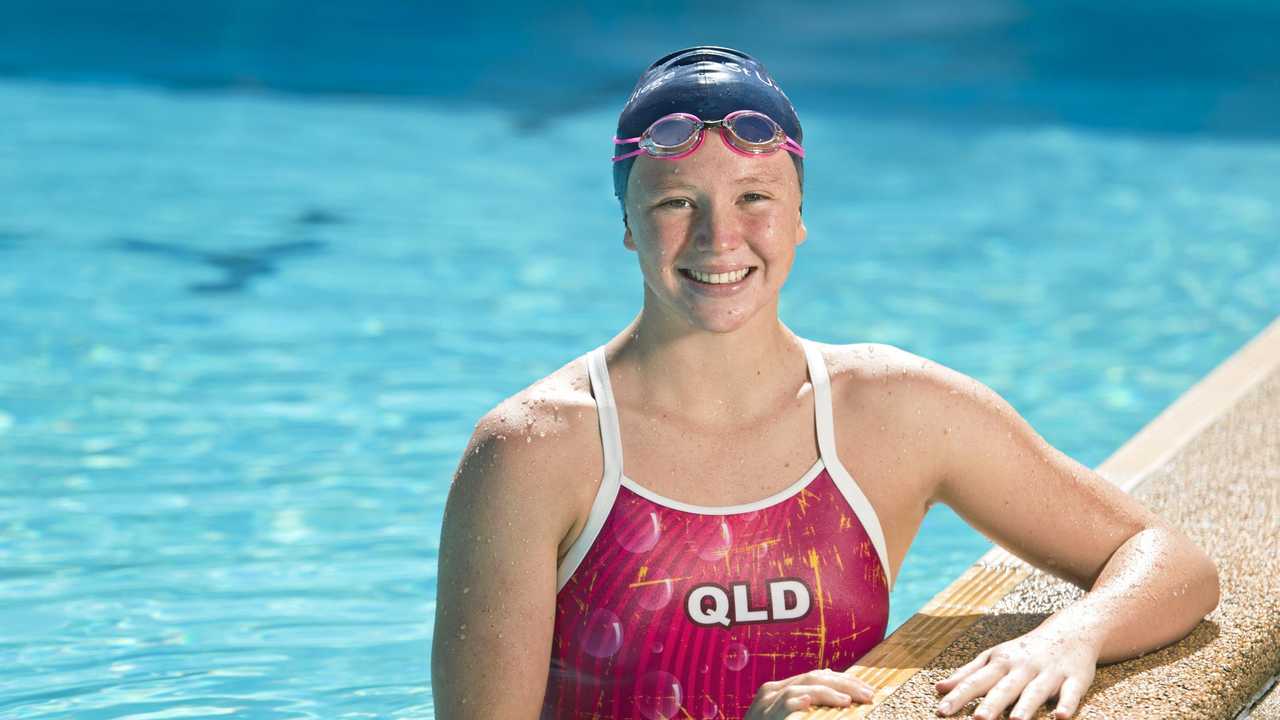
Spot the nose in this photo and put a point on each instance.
(717, 229)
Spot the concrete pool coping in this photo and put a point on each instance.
(1210, 464)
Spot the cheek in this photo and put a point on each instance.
(655, 249)
(666, 238)
(769, 231)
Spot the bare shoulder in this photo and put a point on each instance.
(512, 502)
(538, 449)
(885, 377)
(949, 419)
(907, 401)
(891, 375)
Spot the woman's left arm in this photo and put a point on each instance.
(1148, 584)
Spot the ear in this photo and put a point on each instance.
(627, 241)
(802, 232)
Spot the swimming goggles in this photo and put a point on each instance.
(745, 132)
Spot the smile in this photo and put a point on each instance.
(724, 278)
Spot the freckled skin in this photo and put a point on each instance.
(683, 214)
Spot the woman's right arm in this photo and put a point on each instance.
(496, 585)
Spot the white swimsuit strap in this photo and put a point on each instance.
(611, 478)
(607, 410)
(827, 448)
(821, 402)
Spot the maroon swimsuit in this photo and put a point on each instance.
(669, 610)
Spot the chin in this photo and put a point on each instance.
(721, 323)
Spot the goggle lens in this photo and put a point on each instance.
(746, 132)
(753, 128)
(673, 132)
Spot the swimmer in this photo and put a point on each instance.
(703, 517)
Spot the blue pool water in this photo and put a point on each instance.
(244, 336)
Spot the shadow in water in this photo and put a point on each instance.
(319, 216)
(11, 238)
(238, 267)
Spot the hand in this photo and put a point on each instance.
(777, 699)
(1036, 666)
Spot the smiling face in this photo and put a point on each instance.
(699, 223)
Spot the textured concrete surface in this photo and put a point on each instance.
(1223, 489)
(1268, 707)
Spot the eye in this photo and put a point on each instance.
(754, 197)
(676, 203)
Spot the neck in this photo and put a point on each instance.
(708, 376)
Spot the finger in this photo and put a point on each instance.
(1003, 693)
(962, 671)
(1034, 695)
(796, 702)
(771, 694)
(770, 688)
(817, 695)
(854, 687)
(1069, 697)
(971, 687)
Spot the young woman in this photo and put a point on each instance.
(702, 518)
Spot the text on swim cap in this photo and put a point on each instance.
(732, 66)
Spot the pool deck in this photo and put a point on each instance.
(1210, 463)
(1268, 708)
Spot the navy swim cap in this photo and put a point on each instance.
(709, 82)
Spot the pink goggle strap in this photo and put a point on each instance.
(624, 141)
(789, 145)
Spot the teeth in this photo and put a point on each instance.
(719, 278)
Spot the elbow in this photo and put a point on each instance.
(1209, 583)
(1201, 585)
